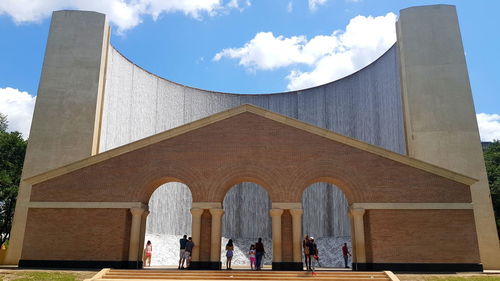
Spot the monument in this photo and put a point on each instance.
(395, 143)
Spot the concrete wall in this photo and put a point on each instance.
(66, 119)
(365, 105)
(439, 112)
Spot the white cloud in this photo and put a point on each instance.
(18, 106)
(125, 14)
(313, 4)
(489, 126)
(327, 57)
(289, 7)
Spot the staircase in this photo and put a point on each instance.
(173, 275)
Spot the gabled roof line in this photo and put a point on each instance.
(261, 112)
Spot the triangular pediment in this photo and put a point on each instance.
(246, 108)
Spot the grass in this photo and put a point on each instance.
(45, 276)
(464, 278)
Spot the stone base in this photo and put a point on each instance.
(419, 267)
(210, 265)
(79, 264)
(288, 266)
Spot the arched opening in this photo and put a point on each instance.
(326, 218)
(246, 218)
(168, 220)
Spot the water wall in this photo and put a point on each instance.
(365, 105)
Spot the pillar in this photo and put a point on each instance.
(135, 230)
(359, 237)
(297, 234)
(142, 235)
(276, 230)
(66, 119)
(196, 232)
(216, 236)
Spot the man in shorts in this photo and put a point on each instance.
(183, 242)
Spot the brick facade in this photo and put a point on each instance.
(284, 160)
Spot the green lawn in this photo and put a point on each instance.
(465, 278)
(46, 276)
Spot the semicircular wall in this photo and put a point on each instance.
(365, 105)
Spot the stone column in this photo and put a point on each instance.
(195, 232)
(359, 234)
(276, 229)
(135, 231)
(297, 234)
(216, 233)
(142, 235)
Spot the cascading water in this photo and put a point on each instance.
(246, 218)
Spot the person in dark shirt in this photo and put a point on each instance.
(259, 253)
(345, 254)
(182, 241)
(189, 249)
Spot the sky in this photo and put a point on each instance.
(244, 46)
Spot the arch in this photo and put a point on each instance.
(151, 186)
(245, 171)
(246, 205)
(169, 218)
(326, 217)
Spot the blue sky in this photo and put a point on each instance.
(244, 46)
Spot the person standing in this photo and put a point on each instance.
(307, 256)
(251, 256)
(229, 253)
(148, 251)
(259, 253)
(313, 253)
(182, 243)
(188, 251)
(346, 254)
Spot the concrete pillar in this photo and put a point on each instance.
(297, 233)
(135, 231)
(359, 234)
(67, 115)
(142, 235)
(216, 233)
(440, 121)
(196, 232)
(276, 230)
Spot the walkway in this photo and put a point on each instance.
(187, 275)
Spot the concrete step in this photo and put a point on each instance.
(244, 275)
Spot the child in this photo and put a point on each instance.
(148, 250)
(251, 256)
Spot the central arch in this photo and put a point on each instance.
(246, 218)
(326, 217)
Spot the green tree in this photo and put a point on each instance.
(12, 151)
(492, 161)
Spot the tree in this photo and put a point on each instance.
(492, 161)
(12, 151)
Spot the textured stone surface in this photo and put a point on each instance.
(365, 105)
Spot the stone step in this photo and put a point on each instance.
(245, 275)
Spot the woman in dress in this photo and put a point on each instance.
(229, 253)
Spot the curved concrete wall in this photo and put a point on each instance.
(365, 105)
